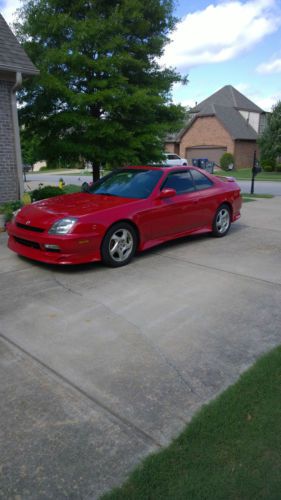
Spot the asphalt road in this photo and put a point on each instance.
(261, 187)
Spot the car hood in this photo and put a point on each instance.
(45, 212)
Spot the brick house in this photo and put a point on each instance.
(227, 121)
(14, 66)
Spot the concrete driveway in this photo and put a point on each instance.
(100, 366)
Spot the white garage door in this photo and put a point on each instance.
(213, 154)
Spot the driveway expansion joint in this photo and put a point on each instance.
(225, 271)
(155, 349)
(67, 289)
(110, 413)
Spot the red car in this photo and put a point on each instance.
(130, 209)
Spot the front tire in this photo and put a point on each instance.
(222, 221)
(119, 245)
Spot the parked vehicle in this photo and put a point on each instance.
(129, 210)
(27, 168)
(173, 159)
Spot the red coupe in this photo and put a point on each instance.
(130, 209)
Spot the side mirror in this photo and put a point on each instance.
(167, 193)
(85, 188)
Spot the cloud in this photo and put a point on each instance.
(221, 32)
(8, 9)
(267, 103)
(260, 96)
(270, 67)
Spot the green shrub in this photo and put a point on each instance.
(268, 162)
(226, 160)
(46, 192)
(8, 208)
(267, 168)
(278, 167)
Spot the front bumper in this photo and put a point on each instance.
(73, 248)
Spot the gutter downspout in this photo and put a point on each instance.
(17, 133)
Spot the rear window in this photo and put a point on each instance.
(200, 180)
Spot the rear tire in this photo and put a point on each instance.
(222, 221)
(119, 245)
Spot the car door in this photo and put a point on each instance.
(206, 198)
(177, 214)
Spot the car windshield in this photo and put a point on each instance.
(127, 183)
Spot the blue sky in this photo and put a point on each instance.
(218, 43)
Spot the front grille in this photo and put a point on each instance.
(30, 228)
(27, 243)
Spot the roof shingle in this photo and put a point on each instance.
(229, 97)
(12, 55)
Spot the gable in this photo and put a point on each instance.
(12, 56)
(228, 97)
(206, 131)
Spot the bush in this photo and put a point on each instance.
(278, 167)
(46, 192)
(267, 168)
(268, 162)
(226, 160)
(8, 208)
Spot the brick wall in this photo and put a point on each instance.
(172, 147)
(244, 153)
(8, 166)
(206, 131)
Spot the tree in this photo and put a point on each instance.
(29, 147)
(101, 94)
(270, 141)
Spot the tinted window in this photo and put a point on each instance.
(180, 181)
(200, 180)
(128, 183)
(172, 157)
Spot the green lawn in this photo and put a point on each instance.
(252, 197)
(231, 450)
(71, 188)
(246, 174)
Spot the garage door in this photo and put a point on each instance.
(213, 154)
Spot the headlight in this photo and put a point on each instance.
(62, 226)
(15, 213)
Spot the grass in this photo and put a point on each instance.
(246, 174)
(252, 197)
(71, 188)
(230, 450)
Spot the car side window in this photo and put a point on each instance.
(180, 181)
(200, 180)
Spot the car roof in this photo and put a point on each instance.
(159, 166)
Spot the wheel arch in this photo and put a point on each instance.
(127, 221)
(228, 204)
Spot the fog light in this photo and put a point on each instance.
(53, 248)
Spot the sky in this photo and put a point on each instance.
(228, 42)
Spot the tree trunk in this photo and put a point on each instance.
(96, 171)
